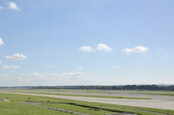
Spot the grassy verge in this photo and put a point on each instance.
(13, 108)
(167, 94)
(16, 107)
(55, 90)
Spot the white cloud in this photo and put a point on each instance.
(1, 7)
(80, 68)
(102, 46)
(13, 6)
(10, 66)
(1, 41)
(0, 62)
(73, 75)
(140, 49)
(114, 67)
(7, 80)
(16, 57)
(73, 78)
(128, 50)
(85, 48)
(4, 77)
(21, 74)
(137, 49)
(36, 78)
(48, 66)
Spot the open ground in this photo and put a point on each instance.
(145, 99)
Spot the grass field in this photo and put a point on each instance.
(13, 108)
(167, 94)
(17, 107)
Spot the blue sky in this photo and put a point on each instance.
(86, 42)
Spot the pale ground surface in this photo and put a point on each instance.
(158, 101)
(6, 100)
(112, 93)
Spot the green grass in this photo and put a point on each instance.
(15, 107)
(79, 109)
(85, 106)
(55, 90)
(167, 94)
(12, 108)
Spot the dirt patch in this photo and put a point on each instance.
(6, 100)
(95, 109)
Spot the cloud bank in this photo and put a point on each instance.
(1, 41)
(137, 49)
(13, 6)
(104, 47)
(10, 66)
(100, 46)
(16, 57)
(85, 48)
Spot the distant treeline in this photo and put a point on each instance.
(102, 87)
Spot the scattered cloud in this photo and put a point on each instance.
(0, 62)
(114, 67)
(59, 78)
(16, 57)
(80, 68)
(104, 47)
(10, 66)
(7, 80)
(48, 66)
(4, 76)
(13, 6)
(1, 41)
(137, 49)
(73, 75)
(85, 48)
(21, 74)
(1, 7)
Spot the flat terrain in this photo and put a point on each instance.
(157, 101)
(20, 103)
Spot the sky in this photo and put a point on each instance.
(86, 42)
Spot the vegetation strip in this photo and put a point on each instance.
(72, 105)
(103, 87)
(90, 107)
(166, 94)
(96, 96)
(139, 110)
(57, 109)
